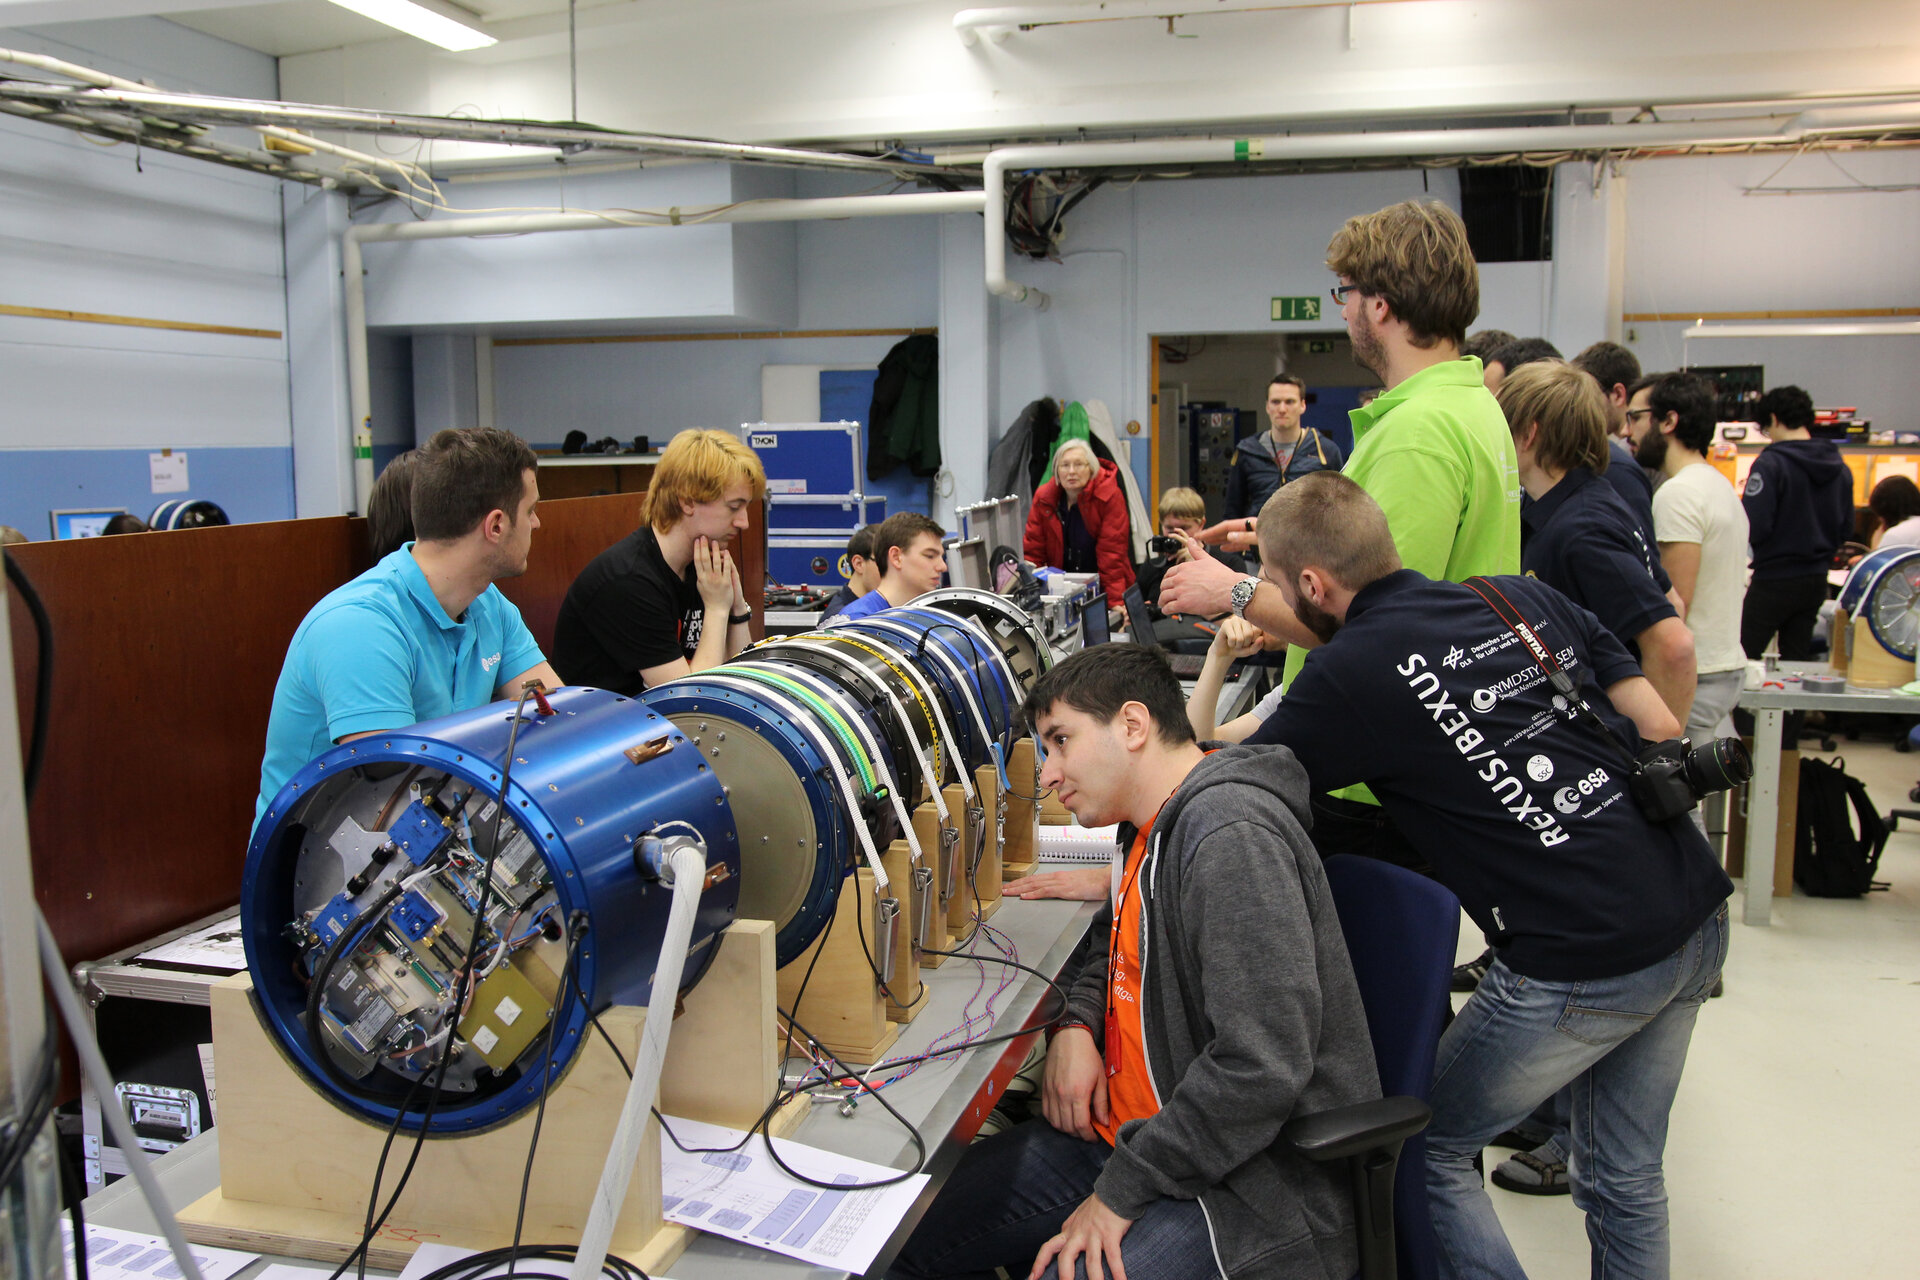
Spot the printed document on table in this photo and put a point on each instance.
(113, 1254)
(218, 946)
(744, 1196)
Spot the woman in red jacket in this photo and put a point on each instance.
(1079, 520)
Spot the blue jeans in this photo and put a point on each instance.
(1008, 1196)
(1621, 1044)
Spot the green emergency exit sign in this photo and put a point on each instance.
(1307, 308)
(1319, 346)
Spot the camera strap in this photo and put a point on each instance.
(1578, 708)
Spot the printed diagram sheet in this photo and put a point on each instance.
(744, 1196)
(128, 1255)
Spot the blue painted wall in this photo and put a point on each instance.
(249, 484)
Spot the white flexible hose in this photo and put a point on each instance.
(689, 865)
(95, 1069)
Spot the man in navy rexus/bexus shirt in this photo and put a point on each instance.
(1608, 929)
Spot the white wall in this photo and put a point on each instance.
(770, 70)
(695, 276)
(1696, 243)
(116, 231)
(877, 273)
(1192, 257)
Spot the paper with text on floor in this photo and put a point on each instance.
(744, 1196)
(113, 1254)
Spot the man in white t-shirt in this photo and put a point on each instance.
(1702, 531)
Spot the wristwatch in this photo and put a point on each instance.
(1242, 595)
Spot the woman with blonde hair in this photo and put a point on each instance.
(1078, 521)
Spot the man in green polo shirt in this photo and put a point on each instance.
(1433, 450)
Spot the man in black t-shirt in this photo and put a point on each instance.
(1609, 929)
(639, 613)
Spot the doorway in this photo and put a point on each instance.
(1210, 392)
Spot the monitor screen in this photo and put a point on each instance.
(1093, 624)
(1139, 621)
(83, 524)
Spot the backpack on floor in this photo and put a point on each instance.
(1831, 860)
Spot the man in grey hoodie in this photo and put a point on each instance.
(1219, 1001)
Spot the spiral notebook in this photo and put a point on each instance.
(1076, 844)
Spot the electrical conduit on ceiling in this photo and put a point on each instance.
(1422, 142)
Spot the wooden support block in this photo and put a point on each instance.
(907, 994)
(723, 1060)
(937, 849)
(987, 871)
(294, 1167)
(975, 818)
(842, 1005)
(1020, 830)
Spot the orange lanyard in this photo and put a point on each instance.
(1113, 966)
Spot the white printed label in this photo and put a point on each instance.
(764, 440)
(506, 1011)
(484, 1040)
(168, 472)
(786, 486)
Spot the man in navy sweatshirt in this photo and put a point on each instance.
(1799, 501)
(1609, 929)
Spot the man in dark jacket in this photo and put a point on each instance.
(1218, 1002)
(1286, 451)
(1461, 711)
(1799, 501)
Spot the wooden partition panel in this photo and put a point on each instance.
(167, 647)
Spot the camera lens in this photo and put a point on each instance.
(1718, 765)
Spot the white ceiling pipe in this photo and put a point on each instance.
(1414, 142)
(352, 263)
(998, 23)
(1801, 329)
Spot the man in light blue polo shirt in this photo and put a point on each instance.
(424, 633)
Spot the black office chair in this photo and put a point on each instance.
(1402, 930)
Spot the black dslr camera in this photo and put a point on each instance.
(1161, 546)
(1671, 777)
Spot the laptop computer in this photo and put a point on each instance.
(1140, 625)
(1093, 625)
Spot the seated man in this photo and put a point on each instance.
(423, 633)
(1220, 988)
(637, 615)
(1609, 928)
(907, 547)
(863, 575)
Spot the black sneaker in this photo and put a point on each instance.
(1467, 976)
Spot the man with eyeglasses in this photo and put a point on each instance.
(1433, 450)
(1702, 531)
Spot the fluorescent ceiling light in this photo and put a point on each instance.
(434, 21)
